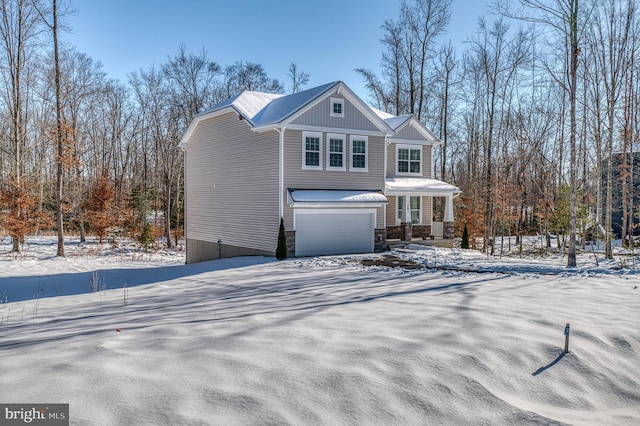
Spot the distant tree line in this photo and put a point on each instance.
(85, 153)
(538, 114)
(542, 101)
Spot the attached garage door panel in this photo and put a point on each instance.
(336, 232)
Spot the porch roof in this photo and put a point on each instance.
(424, 186)
(335, 198)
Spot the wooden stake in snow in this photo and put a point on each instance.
(567, 330)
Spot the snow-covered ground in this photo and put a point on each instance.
(319, 340)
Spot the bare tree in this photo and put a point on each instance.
(565, 18)
(299, 78)
(19, 28)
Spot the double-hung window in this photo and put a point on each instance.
(312, 150)
(414, 209)
(336, 152)
(359, 153)
(409, 160)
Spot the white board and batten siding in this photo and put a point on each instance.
(232, 184)
(319, 116)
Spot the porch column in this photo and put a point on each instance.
(448, 208)
(448, 225)
(406, 225)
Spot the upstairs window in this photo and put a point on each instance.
(337, 107)
(312, 150)
(335, 152)
(409, 160)
(359, 153)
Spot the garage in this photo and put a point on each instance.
(334, 221)
(334, 231)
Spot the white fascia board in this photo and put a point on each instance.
(410, 142)
(334, 205)
(426, 193)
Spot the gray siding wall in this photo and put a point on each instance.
(409, 133)
(232, 185)
(320, 116)
(296, 177)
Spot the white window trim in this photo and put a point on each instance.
(410, 147)
(343, 138)
(366, 153)
(305, 135)
(408, 199)
(336, 101)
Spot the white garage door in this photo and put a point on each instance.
(338, 231)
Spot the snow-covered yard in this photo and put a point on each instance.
(319, 340)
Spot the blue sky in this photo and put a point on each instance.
(328, 38)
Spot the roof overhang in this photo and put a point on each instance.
(421, 186)
(335, 198)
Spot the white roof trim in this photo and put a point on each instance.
(424, 186)
(324, 198)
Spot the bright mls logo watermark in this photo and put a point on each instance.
(34, 414)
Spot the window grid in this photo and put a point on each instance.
(409, 160)
(336, 153)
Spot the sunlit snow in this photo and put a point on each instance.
(469, 339)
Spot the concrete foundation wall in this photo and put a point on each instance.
(200, 251)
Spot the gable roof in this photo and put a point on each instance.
(264, 111)
(397, 123)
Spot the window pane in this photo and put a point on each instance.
(403, 154)
(359, 147)
(312, 158)
(415, 217)
(415, 203)
(415, 167)
(415, 154)
(335, 145)
(335, 160)
(312, 144)
(358, 161)
(337, 108)
(403, 166)
(400, 206)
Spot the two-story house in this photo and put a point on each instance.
(344, 177)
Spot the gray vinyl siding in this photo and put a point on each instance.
(320, 116)
(232, 184)
(409, 133)
(426, 161)
(392, 210)
(296, 177)
(427, 211)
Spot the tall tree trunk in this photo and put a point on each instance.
(59, 137)
(575, 51)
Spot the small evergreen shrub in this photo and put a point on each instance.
(281, 249)
(465, 238)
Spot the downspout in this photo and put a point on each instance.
(280, 131)
(184, 200)
(387, 142)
